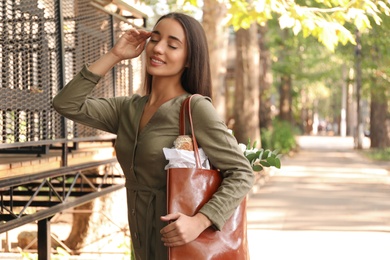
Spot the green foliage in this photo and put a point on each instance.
(281, 137)
(378, 154)
(260, 158)
(127, 246)
(317, 74)
(266, 137)
(327, 21)
(376, 59)
(61, 255)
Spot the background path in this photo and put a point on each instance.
(327, 202)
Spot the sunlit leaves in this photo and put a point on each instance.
(286, 21)
(243, 14)
(193, 2)
(384, 8)
(325, 20)
(361, 20)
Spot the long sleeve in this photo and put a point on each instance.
(224, 153)
(73, 102)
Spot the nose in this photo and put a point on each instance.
(158, 47)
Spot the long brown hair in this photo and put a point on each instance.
(196, 78)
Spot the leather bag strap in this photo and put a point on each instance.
(185, 113)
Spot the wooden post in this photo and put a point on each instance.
(44, 239)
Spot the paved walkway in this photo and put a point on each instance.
(327, 202)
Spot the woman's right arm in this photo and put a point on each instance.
(73, 102)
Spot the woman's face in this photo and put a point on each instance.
(166, 51)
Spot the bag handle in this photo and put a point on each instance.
(185, 112)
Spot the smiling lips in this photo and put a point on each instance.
(156, 61)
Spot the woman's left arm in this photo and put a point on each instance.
(224, 154)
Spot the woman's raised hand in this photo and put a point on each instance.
(130, 44)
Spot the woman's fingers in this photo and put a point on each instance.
(131, 44)
(137, 35)
(183, 230)
(170, 217)
(170, 234)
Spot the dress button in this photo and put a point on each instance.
(133, 211)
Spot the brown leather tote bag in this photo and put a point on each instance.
(188, 189)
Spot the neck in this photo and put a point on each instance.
(164, 90)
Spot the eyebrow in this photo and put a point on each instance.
(170, 36)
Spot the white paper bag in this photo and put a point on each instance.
(179, 158)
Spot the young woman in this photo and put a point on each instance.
(177, 65)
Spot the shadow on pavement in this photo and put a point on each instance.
(324, 190)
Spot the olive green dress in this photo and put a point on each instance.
(140, 154)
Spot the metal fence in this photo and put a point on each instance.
(43, 44)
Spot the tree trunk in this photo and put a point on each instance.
(285, 87)
(378, 114)
(379, 110)
(265, 76)
(285, 98)
(358, 137)
(351, 117)
(246, 103)
(306, 113)
(214, 13)
(98, 225)
(80, 226)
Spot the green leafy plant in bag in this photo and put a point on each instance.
(260, 158)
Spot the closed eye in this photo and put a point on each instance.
(169, 45)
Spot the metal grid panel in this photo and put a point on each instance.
(25, 56)
(90, 35)
(31, 57)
